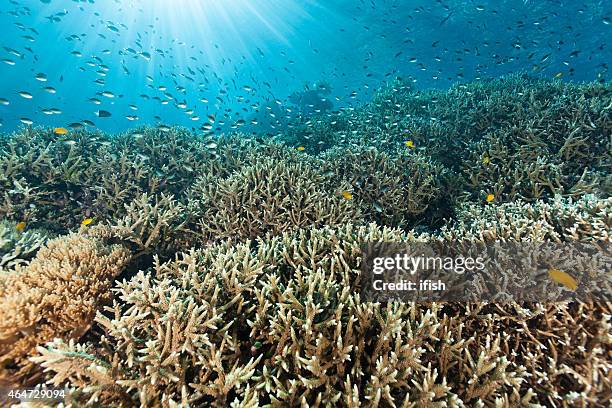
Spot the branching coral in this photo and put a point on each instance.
(585, 219)
(268, 197)
(55, 295)
(151, 225)
(392, 189)
(281, 322)
(41, 174)
(515, 137)
(18, 247)
(249, 253)
(56, 182)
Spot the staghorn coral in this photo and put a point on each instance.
(56, 184)
(278, 320)
(281, 322)
(55, 295)
(152, 224)
(585, 219)
(267, 197)
(541, 137)
(18, 248)
(536, 237)
(395, 189)
(43, 177)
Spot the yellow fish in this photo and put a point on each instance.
(486, 160)
(563, 278)
(558, 75)
(301, 148)
(60, 131)
(409, 143)
(490, 198)
(87, 221)
(347, 195)
(20, 226)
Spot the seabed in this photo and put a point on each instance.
(164, 268)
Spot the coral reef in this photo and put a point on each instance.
(282, 323)
(268, 197)
(224, 270)
(56, 295)
(394, 189)
(516, 137)
(151, 225)
(561, 220)
(19, 247)
(57, 182)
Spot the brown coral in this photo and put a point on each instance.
(55, 295)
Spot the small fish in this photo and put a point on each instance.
(410, 144)
(76, 125)
(26, 121)
(60, 131)
(103, 114)
(490, 198)
(563, 278)
(486, 160)
(347, 195)
(20, 226)
(87, 221)
(558, 75)
(301, 148)
(25, 94)
(41, 77)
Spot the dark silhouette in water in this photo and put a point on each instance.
(272, 116)
(312, 101)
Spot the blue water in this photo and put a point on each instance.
(238, 59)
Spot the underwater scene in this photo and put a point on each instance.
(303, 203)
